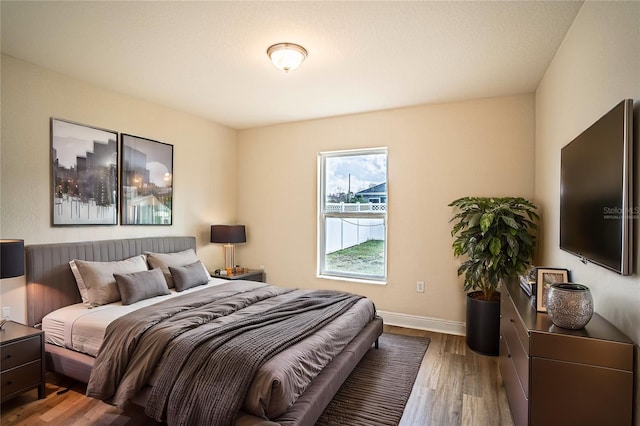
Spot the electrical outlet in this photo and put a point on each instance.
(6, 312)
(420, 286)
(262, 267)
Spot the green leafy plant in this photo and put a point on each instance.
(498, 237)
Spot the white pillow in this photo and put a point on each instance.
(79, 282)
(164, 260)
(96, 282)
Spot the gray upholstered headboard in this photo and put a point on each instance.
(50, 282)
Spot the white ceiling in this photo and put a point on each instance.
(209, 58)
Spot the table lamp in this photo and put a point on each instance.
(11, 258)
(228, 235)
(11, 261)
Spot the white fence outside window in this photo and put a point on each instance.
(342, 233)
(355, 207)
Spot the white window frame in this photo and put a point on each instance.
(323, 215)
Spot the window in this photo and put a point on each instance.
(352, 214)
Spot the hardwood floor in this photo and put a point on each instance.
(455, 386)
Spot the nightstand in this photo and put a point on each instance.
(252, 275)
(21, 360)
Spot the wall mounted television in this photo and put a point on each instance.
(596, 192)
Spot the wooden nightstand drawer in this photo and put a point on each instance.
(21, 378)
(21, 352)
(21, 359)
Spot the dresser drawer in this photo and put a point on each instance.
(591, 351)
(20, 352)
(22, 378)
(516, 353)
(567, 393)
(510, 316)
(518, 401)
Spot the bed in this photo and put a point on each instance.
(51, 286)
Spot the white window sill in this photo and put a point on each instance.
(351, 279)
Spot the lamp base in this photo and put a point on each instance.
(229, 257)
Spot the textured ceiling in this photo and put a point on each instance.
(209, 58)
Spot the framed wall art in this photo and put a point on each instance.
(147, 182)
(545, 278)
(84, 165)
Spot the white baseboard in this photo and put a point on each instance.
(423, 323)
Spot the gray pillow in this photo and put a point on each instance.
(141, 285)
(95, 279)
(185, 277)
(165, 260)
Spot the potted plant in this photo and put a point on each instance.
(497, 236)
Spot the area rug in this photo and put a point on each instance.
(377, 390)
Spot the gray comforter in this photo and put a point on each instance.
(207, 369)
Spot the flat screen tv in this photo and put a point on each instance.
(596, 192)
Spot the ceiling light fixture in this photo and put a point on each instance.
(287, 56)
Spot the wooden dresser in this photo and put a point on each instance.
(555, 376)
(21, 360)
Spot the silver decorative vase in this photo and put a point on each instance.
(569, 305)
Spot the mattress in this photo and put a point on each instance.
(82, 329)
(277, 384)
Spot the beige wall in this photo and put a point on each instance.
(204, 186)
(597, 66)
(436, 154)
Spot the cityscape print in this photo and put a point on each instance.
(85, 174)
(147, 181)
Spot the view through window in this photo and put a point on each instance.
(353, 214)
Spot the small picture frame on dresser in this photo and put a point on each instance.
(545, 277)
